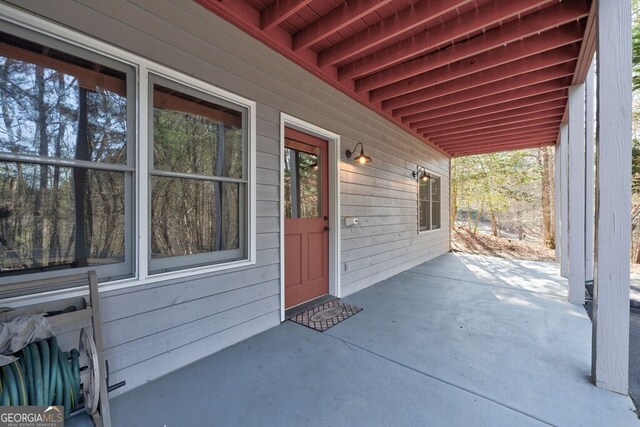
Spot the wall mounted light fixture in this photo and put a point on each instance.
(421, 174)
(360, 158)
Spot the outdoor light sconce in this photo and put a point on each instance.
(360, 158)
(421, 174)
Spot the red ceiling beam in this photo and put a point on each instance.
(408, 18)
(487, 120)
(551, 17)
(518, 50)
(474, 20)
(279, 11)
(508, 126)
(506, 85)
(245, 17)
(512, 95)
(525, 133)
(501, 74)
(518, 106)
(498, 146)
(340, 17)
(588, 48)
(550, 136)
(543, 137)
(500, 149)
(435, 132)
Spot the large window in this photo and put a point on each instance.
(198, 178)
(84, 186)
(66, 166)
(429, 204)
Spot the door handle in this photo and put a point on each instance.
(326, 228)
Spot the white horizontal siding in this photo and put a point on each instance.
(153, 329)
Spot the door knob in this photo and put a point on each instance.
(326, 228)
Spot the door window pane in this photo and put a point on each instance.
(302, 183)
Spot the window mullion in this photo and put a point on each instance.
(183, 175)
(143, 213)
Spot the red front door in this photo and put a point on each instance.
(306, 224)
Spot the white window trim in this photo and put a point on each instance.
(434, 230)
(143, 66)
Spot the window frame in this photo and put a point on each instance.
(430, 203)
(181, 262)
(31, 27)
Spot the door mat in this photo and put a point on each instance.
(324, 316)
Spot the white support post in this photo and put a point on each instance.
(558, 200)
(576, 194)
(564, 200)
(590, 122)
(610, 352)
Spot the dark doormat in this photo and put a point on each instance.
(326, 315)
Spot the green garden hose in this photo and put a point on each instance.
(43, 346)
(53, 364)
(43, 375)
(10, 381)
(26, 356)
(23, 397)
(37, 374)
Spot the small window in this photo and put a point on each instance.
(198, 178)
(429, 204)
(66, 163)
(302, 181)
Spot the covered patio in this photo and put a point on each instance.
(459, 340)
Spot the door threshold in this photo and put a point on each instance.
(297, 309)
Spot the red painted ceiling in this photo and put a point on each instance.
(465, 76)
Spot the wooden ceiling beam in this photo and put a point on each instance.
(519, 50)
(491, 89)
(474, 20)
(342, 16)
(405, 20)
(524, 105)
(502, 74)
(550, 136)
(501, 147)
(435, 132)
(546, 19)
(507, 126)
(279, 11)
(534, 131)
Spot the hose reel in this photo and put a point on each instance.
(43, 374)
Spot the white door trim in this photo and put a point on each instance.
(333, 150)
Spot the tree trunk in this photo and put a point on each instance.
(80, 182)
(494, 224)
(547, 226)
(453, 208)
(475, 227)
(38, 255)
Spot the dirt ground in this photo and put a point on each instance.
(462, 240)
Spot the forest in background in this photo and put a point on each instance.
(511, 194)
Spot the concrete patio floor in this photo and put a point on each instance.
(460, 340)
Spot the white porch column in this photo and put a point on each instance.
(576, 194)
(590, 122)
(558, 200)
(564, 200)
(610, 353)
